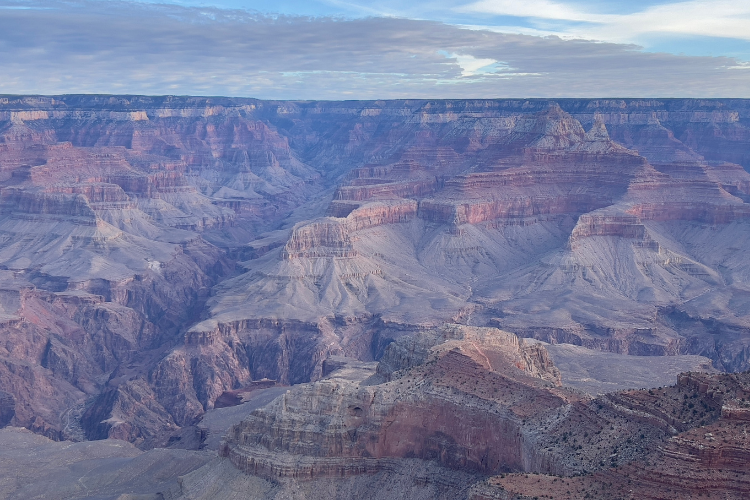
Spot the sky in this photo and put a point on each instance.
(351, 49)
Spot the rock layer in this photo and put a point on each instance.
(475, 399)
(709, 461)
(467, 398)
(617, 225)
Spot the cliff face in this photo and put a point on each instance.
(479, 399)
(708, 461)
(460, 402)
(584, 221)
(618, 225)
(103, 215)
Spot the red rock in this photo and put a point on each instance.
(591, 221)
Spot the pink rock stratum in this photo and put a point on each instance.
(160, 253)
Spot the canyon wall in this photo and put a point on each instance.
(483, 401)
(162, 251)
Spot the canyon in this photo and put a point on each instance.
(435, 290)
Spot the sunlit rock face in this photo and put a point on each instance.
(158, 252)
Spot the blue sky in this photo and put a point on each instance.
(333, 49)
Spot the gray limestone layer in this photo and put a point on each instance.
(597, 372)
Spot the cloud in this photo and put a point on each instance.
(80, 47)
(543, 9)
(714, 18)
(471, 66)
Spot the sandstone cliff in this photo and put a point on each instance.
(475, 399)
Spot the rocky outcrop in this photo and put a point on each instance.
(331, 236)
(476, 399)
(613, 224)
(415, 350)
(419, 413)
(466, 398)
(706, 461)
(623, 226)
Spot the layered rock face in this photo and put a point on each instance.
(481, 400)
(415, 414)
(468, 398)
(709, 461)
(104, 222)
(162, 255)
(615, 225)
(530, 216)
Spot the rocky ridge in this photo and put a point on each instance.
(468, 398)
(708, 461)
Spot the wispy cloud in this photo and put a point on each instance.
(543, 9)
(714, 18)
(119, 47)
